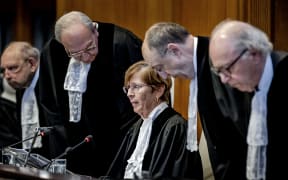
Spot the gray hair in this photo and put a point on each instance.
(244, 35)
(161, 34)
(69, 19)
(24, 49)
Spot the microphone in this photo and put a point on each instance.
(87, 139)
(42, 132)
(69, 149)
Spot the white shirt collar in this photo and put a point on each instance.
(267, 75)
(195, 55)
(35, 79)
(156, 111)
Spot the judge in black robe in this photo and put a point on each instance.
(166, 155)
(25, 60)
(259, 69)
(106, 111)
(10, 129)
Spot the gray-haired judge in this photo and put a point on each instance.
(243, 57)
(20, 65)
(81, 80)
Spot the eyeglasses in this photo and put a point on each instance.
(133, 87)
(79, 54)
(226, 70)
(13, 68)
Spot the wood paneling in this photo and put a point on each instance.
(22, 23)
(22, 15)
(198, 16)
(135, 15)
(259, 14)
(181, 94)
(280, 24)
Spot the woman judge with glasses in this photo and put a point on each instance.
(155, 146)
(81, 79)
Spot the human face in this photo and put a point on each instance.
(80, 43)
(235, 67)
(141, 96)
(178, 61)
(18, 72)
(81, 54)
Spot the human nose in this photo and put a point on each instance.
(130, 92)
(86, 57)
(130, 95)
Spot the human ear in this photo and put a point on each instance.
(33, 63)
(172, 49)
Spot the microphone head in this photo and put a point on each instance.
(88, 138)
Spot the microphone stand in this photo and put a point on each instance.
(68, 150)
(31, 147)
(21, 141)
(42, 130)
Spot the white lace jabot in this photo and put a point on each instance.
(76, 84)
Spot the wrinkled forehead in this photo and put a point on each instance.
(75, 35)
(10, 58)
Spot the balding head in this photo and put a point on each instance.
(19, 62)
(70, 19)
(21, 49)
(238, 52)
(240, 35)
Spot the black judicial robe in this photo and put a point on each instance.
(166, 155)
(224, 114)
(10, 129)
(277, 118)
(105, 107)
